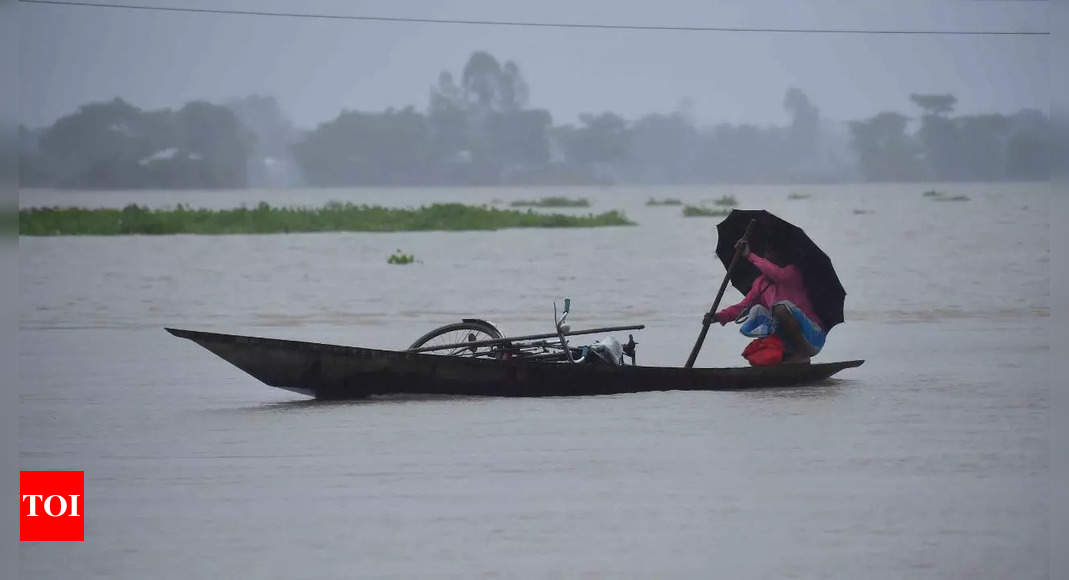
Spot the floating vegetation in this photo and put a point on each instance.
(265, 219)
(941, 196)
(552, 202)
(696, 211)
(727, 200)
(400, 257)
(665, 201)
(799, 196)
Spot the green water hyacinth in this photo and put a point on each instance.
(951, 198)
(399, 257)
(665, 201)
(266, 219)
(942, 196)
(696, 211)
(552, 202)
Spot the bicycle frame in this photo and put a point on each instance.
(535, 346)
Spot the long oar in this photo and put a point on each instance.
(719, 295)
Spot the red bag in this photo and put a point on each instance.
(764, 351)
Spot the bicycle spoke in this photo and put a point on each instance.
(459, 336)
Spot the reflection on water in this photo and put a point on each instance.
(930, 457)
(307, 404)
(819, 390)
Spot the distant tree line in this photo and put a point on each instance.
(990, 147)
(117, 145)
(479, 130)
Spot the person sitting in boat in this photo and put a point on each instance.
(780, 289)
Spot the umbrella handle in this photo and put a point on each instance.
(716, 303)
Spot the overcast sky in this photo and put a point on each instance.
(73, 55)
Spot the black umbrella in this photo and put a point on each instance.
(793, 246)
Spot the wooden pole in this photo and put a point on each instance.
(716, 303)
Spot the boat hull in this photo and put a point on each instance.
(328, 371)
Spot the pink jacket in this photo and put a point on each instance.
(774, 284)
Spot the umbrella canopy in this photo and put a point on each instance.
(792, 246)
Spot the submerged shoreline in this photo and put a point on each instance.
(267, 219)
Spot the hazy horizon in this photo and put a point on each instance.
(74, 55)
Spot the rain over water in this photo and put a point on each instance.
(930, 460)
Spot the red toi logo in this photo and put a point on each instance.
(51, 506)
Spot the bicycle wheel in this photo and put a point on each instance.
(461, 332)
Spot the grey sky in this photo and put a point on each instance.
(72, 55)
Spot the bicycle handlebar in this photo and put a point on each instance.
(564, 314)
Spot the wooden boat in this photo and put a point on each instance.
(328, 371)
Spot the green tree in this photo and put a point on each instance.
(481, 80)
(1029, 146)
(938, 105)
(490, 86)
(885, 152)
(980, 153)
(356, 148)
(663, 147)
(938, 135)
(98, 146)
(520, 138)
(449, 125)
(805, 123)
(271, 160)
(214, 143)
(116, 145)
(514, 89)
(602, 139)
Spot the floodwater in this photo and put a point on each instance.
(931, 460)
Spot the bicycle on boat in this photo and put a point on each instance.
(478, 338)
